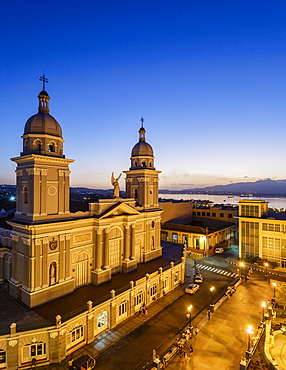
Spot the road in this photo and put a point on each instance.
(135, 351)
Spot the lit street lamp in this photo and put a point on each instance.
(266, 265)
(211, 290)
(249, 332)
(241, 267)
(274, 289)
(263, 305)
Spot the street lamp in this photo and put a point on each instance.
(249, 332)
(263, 305)
(190, 311)
(241, 267)
(266, 265)
(211, 290)
(274, 287)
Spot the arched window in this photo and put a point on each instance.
(143, 164)
(52, 146)
(25, 194)
(135, 164)
(53, 273)
(135, 193)
(25, 145)
(37, 145)
(150, 164)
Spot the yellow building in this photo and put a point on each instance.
(54, 251)
(262, 233)
(200, 229)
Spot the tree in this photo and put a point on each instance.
(280, 295)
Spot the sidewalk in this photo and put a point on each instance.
(222, 340)
(110, 337)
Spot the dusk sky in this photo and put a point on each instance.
(209, 78)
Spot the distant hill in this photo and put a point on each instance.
(268, 186)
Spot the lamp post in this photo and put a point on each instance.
(211, 290)
(249, 332)
(241, 267)
(190, 312)
(266, 265)
(263, 305)
(274, 289)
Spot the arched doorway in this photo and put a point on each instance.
(82, 264)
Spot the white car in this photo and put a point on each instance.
(192, 288)
(219, 250)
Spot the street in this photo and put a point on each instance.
(135, 350)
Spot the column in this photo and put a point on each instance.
(157, 235)
(98, 250)
(61, 275)
(45, 269)
(15, 240)
(38, 267)
(66, 194)
(126, 243)
(68, 256)
(44, 173)
(106, 249)
(30, 172)
(61, 194)
(133, 242)
(19, 200)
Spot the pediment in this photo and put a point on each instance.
(119, 210)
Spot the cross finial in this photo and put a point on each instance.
(142, 121)
(45, 80)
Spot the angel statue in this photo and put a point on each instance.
(115, 183)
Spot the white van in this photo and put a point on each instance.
(219, 250)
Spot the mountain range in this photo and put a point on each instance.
(267, 186)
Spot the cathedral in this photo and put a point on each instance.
(54, 251)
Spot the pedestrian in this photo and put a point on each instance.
(33, 363)
(196, 331)
(188, 317)
(185, 357)
(191, 350)
(146, 312)
(70, 363)
(140, 311)
(209, 314)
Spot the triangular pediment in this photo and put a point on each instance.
(119, 209)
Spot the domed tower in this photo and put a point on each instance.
(42, 170)
(142, 178)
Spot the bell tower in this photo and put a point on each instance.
(43, 175)
(142, 178)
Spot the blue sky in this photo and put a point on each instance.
(207, 76)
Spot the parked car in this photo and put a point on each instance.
(198, 278)
(219, 250)
(192, 288)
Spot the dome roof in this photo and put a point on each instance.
(43, 123)
(142, 149)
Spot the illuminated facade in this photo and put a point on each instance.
(262, 233)
(54, 251)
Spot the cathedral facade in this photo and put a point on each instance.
(54, 251)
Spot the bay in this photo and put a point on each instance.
(273, 202)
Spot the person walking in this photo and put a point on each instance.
(209, 314)
(188, 316)
(191, 350)
(197, 331)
